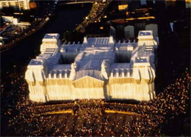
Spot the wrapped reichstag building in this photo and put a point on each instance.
(99, 68)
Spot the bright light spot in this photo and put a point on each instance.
(101, 27)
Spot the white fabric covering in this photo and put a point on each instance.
(99, 68)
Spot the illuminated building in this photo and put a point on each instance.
(20, 4)
(99, 68)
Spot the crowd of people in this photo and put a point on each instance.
(20, 116)
(172, 104)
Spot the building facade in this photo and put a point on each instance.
(99, 68)
(17, 4)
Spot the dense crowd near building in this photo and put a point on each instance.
(20, 116)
